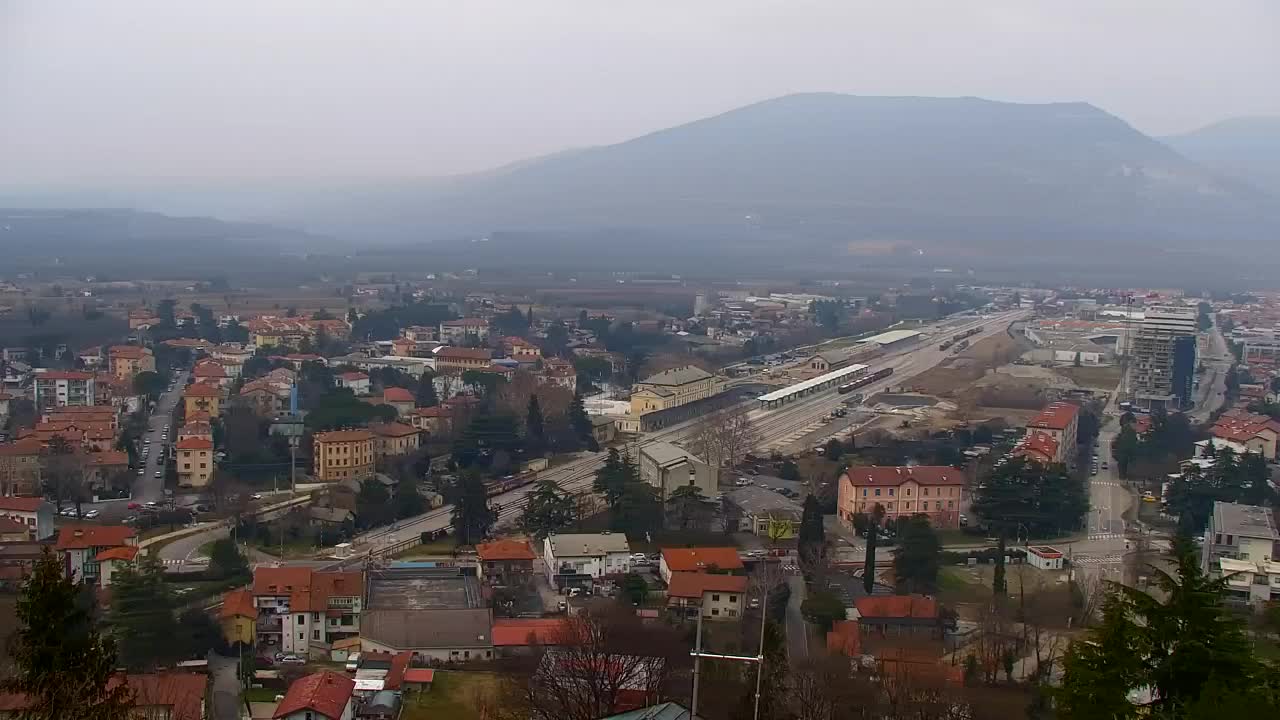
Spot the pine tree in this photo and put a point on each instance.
(869, 562)
(610, 479)
(915, 565)
(472, 516)
(528, 321)
(812, 532)
(999, 585)
(62, 664)
(427, 390)
(143, 617)
(534, 431)
(549, 509)
(579, 421)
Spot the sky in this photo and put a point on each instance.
(232, 90)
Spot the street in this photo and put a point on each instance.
(797, 628)
(147, 487)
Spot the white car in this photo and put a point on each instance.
(92, 514)
(159, 474)
(142, 471)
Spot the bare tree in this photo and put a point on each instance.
(64, 471)
(723, 438)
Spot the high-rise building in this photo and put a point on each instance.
(1163, 363)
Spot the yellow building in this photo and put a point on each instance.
(202, 398)
(194, 456)
(129, 360)
(671, 388)
(237, 617)
(343, 455)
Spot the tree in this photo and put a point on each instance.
(999, 583)
(1180, 645)
(201, 634)
(549, 509)
(823, 608)
(610, 479)
(148, 383)
(869, 561)
(406, 501)
(226, 560)
(472, 516)
(579, 421)
(426, 395)
(1026, 496)
(535, 440)
(724, 437)
(61, 662)
(919, 555)
(557, 341)
(812, 532)
(63, 473)
(788, 470)
(373, 504)
(528, 320)
(689, 507)
(142, 616)
(833, 449)
(634, 589)
(1076, 361)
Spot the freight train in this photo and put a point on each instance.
(865, 380)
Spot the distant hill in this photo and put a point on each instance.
(839, 176)
(1248, 148)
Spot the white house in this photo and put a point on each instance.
(1044, 557)
(357, 382)
(578, 558)
(35, 513)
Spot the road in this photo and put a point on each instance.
(797, 628)
(1217, 362)
(147, 487)
(225, 695)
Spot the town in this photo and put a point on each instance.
(419, 496)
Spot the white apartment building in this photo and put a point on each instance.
(300, 609)
(63, 388)
(1240, 543)
(577, 559)
(1162, 369)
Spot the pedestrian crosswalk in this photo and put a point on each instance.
(171, 562)
(1106, 536)
(1097, 560)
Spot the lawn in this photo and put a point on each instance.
(261, 695)
(444, 546)
(452, 695)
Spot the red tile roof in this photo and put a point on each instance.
(125, 552)
(394, 429)
(343, 436)
(896, 606)
(129, 352)
(352, 376)
(397, 394)
(879, 475)
(108, 458)
(183, 692)
(693, 584)
(1057, 416)
(845, 637)
(83, 537)
(9, 525)
(1038, 445)
(521, 632)
(450, 352)
(280, 580)
(209, 370)
(238, 603)
(324, 692)
(700, 559)
(21, 504)
(202, 390)
(63, 375)
(394, 676)
(432, 412)
(324, 585)
(420, 675)
(194, 443)
(505, 550)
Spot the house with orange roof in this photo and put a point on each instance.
(62, 388)
(126, 361)
(433, 420)
(238, 617)
(1256, 433)
(20, 467)
(457, 331)
(933, 490)
(34, 513)
(898, 615)
(718, 597)
(451, 358)
(194, 458)
(211, 372)
(301, 608)
(698, 559)
(513, 635)
(111, 560)
(394, 438)
(101, 468)
(506, 561)
(171, 695)
(320, 696)
(202, 397)
(1037, 447)
(400, 399)
(1061, 421)
(80, 545)
(521, 350)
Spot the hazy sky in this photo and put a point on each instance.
(124, 89)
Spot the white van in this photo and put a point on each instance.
(353, 662)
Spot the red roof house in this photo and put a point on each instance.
(327, 694)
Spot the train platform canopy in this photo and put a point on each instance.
(824, 380)
(891, 337)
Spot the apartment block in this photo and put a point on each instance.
(1241, 542)
(63, 388)
(1162, 369)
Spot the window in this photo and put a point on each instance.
(1217, 539)
(1229, 539)
(733, 613)
(925, 492)
(908, 491)
(877, 492)
(951, 504)
(466, 654)
(890, 507)
(715, 611)
(733, 598)
(939, 505)
(302, 636)
(302, 619)
(715, 598)
(864, 492)
(890, 492)
(315, 634)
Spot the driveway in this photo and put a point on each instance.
(225, 695)
(797, 628)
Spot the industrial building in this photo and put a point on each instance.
(780, 397)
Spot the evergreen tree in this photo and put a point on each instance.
(579, 421)
(426, 396)
(999, 584)
(1182, 646)
(406, 500)
(535, 440)
(869, 561)
(61, 663)
(1125, 449)
(919, 556)
(528, 321)
(610, 480)
(226, 560)
(639, 510)
(143, 617)
(472, 516)
(549, 510)
(688, 506)
(812, 532)
(373, 506)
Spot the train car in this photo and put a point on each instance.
(509, 483)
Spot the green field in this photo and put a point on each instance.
(452, 695)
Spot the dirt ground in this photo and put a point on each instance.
(1100, 378)
(969, 366)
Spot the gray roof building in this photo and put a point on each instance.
(428, 629)
(677, 376)
(1251, 521)
(588, 544)
(759, 502)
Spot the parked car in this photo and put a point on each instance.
(92, 514)
(159, 473)
(291, 660)
(134, 505)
